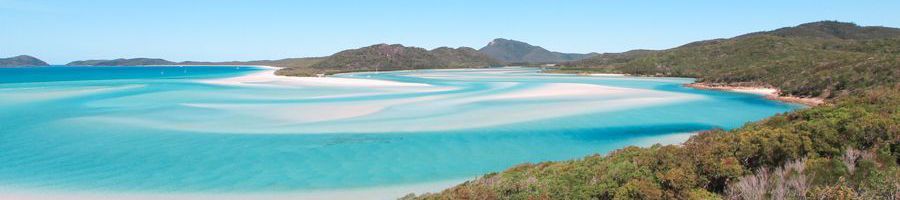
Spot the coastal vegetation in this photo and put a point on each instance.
(821, 59)
(848, 148)
(386, 57)
(21, 61)
(121, 62)
(393, 57)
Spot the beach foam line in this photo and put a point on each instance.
(375, 193)
(267, 77)
(767, 92)
(253, 66)
(562, 90)
(606, 74)
(411, 114)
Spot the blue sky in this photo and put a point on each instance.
(221, 30)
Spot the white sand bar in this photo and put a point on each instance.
(268, 78)
(462, 99)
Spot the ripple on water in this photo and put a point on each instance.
(155, 135)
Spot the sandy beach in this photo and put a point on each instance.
(769, 93)
(267, 77)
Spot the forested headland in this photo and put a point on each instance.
(847, 148)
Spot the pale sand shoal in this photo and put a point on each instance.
(268, 78)
(607, 74)
(381, 114)
(374, 193)
(565, 90)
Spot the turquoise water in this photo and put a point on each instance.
(169, 129)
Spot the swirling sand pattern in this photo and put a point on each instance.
(214, 130)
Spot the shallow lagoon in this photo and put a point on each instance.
(201, 129)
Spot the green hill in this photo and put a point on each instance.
(821, 59)
(122, 62)
(463, 57)
(511, 51)
(393, 57)
(607, 58)
(848, 148)
(833, 30)
(283, 63)
(21, 61)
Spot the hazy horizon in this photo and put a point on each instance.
(63, 31)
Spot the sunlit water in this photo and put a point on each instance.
(169, 129)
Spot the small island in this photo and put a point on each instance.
(22, 61)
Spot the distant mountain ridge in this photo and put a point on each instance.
(384, 57)
(122, 62)
(21, 61)
(511, 51)
(395, 57)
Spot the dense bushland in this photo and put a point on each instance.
(384, 57)
(822, 59)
